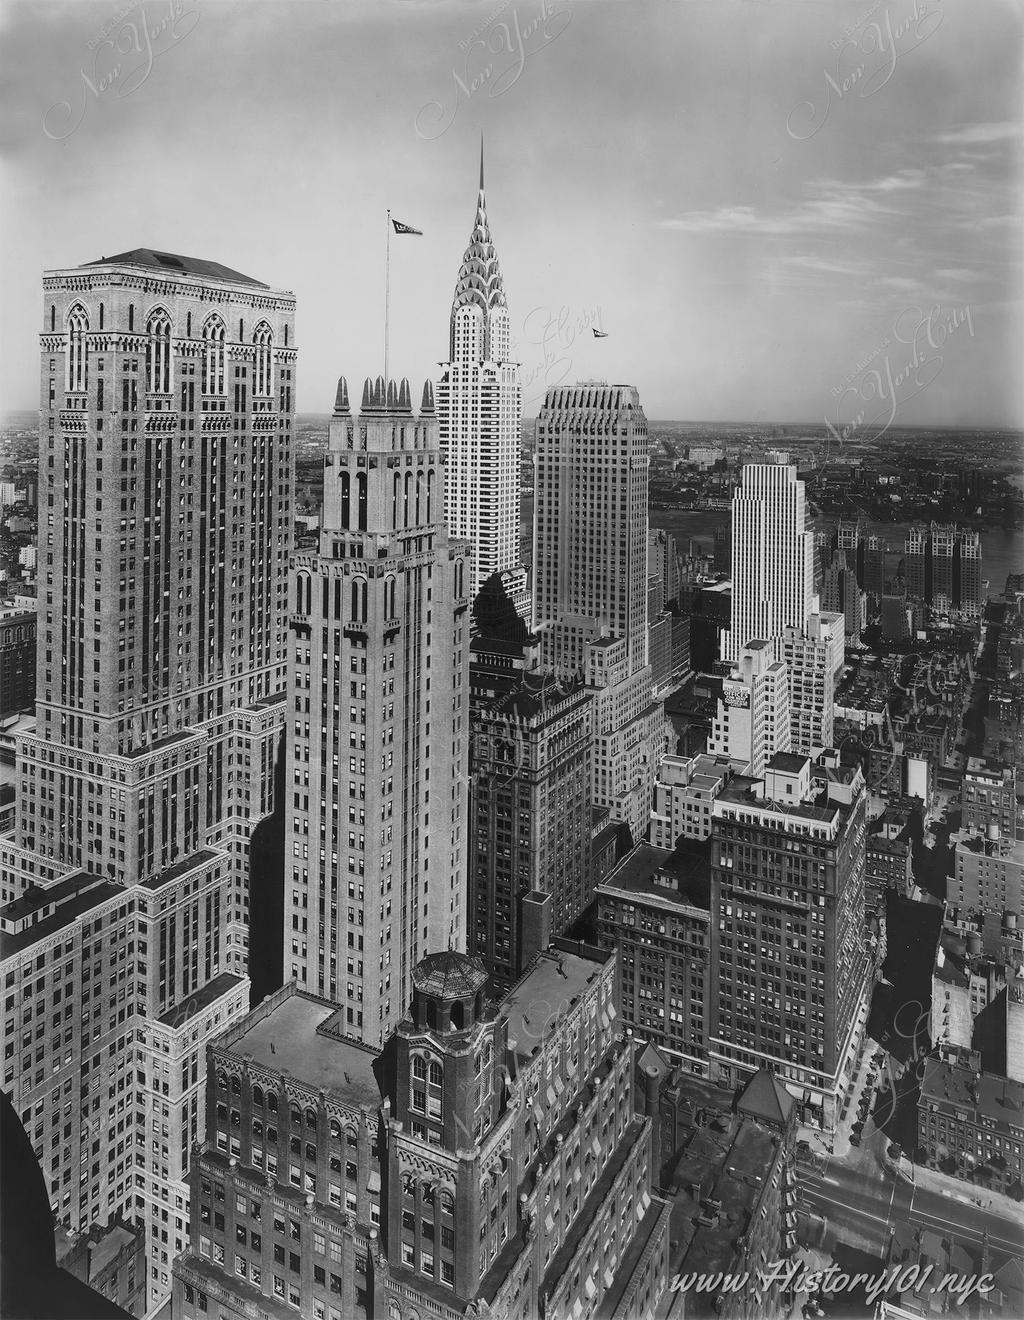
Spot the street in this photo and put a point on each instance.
(852, 1200)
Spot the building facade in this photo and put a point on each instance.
(529, 822)
(753, 719)
(590, 548)
(970, 1122)
(813, 656)
(440, 1175)
(379, 706)
(479, 409)
(684, 793)
(654, 908)
(788, 954)
(159, 702)
(772, 557)
(17, 659)
(988, 798)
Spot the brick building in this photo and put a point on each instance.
(789, 961)
(17, 659)
(490, 1155)
(655, 909)
(971, 1123)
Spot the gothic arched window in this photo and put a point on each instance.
(263, 338)
(214, 356)
(78, 365)
(158, 352)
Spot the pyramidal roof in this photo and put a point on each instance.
(479, 279)
(766, 1098)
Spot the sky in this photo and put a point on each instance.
(777, 210)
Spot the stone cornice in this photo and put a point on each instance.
(203, 290)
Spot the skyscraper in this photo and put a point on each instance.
(590, 580)
(590, 523)
(788, 960)
(530, 821)
(772, 557)
(479, 409)
(378, 701)
(165, 471)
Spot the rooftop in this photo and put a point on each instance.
(180, 868)
(556, 981)
(985, 1094)
(287, 1040)
(788, 762)
(449, 975)
(733, 1176)
(68, 912)
(200, 1000)
(688, 868)
(172, 264)
(765, 1097)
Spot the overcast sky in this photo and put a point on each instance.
(752, 197)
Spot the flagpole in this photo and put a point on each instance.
(387, 302)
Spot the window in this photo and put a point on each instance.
(158, 352)
(78, 326)
(214, 356)
(263, 339)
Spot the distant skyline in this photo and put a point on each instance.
(759, 203)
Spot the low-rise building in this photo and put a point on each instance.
(17, 658)
(971, 1123)
(989, 798)
(736, 1198)
(986, 892)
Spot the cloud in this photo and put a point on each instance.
(830, 205)
(979, 135)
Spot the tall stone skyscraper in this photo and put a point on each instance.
(772, 557)
(788, 957)
(379, 709)
(479, 408)
(590, 580)
(164, 524)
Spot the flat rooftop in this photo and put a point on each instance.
(557, 980)
(288, 1040)
(201, 1000)
(689, 867)
(70, 910)
(979, 1093)
(186, 864)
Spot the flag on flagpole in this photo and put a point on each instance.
(405, 229)
(600, 334)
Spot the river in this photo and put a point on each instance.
(1002, 550)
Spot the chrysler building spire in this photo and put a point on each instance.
(479, 407)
